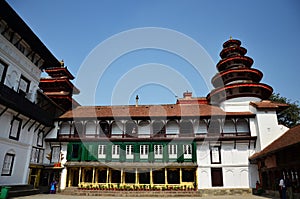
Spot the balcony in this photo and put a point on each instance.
(16, 101)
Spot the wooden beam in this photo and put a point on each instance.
(31, 125)
(2, 112)
(26, 123)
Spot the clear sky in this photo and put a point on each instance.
(268, 29)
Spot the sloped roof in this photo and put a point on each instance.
(167, 110)
(289, 138)
(267, 104)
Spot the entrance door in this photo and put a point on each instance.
(216, 177)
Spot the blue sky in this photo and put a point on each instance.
(268, 29)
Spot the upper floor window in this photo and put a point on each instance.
(101, 151)
(115, 151)
(23, 85)
(129, 152)
(144, 150)
(242, 126)
(3, 69)
(75, 151)
(37, 155)
(15, 128)
(90, 128)
(172, 151)
(158, 151)
(65, 128)
(187, 151)
(55, 154)
(215, 155)
(40, 138)
(8, 164)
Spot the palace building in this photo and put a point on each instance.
(197, 142)
(220, 141)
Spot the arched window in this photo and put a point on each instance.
(159, 129)
(8, 163)
(229, 126)
(172, 128)
(64, 128)
(104, 128)
(144, 128)
(186, 128)
(242, 126)
(131, 128)
(116, 129)
(90, 128)
(201, 127)
(214, 126)
(77, 128)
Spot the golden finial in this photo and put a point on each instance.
(62, 63)
(230, 38)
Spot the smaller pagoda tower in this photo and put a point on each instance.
(59, 88)
(236, 80)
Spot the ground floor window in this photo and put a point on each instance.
(8, 164)
(130, 177)
(188, 175)
(116, 176)
(158, 177)
(144, 177)
(102, 175)
(217, 177)
(173, 176)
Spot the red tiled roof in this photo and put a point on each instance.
(267, 104)
(289, 138)
(168, 110)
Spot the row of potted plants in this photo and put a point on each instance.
(143, 187)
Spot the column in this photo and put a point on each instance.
(180, 176)
(70, 174)
(136, 177)
(166, 176)
(107, 176)
(196, 178)
(151, 176)
(122, 176)
(79, 173)
(93, 178)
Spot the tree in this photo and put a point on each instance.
(291, 116)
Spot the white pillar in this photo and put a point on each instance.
(63, 178)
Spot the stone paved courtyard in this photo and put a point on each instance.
(59, 196)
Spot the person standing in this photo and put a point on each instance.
(288, 185)
(282, 189)
(53, 187)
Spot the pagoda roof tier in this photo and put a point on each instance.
(57, 84)
(64, 101)
(150, 111)
(230, 91)
(233, 50)
(59, 72)
(232, 62)
(231, 42)
(230, 75)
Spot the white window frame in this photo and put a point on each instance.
(101, 151)
(144, 151)
(187, 151)
(129, 151)
(158, 151)
(115, 151)
(172, 151)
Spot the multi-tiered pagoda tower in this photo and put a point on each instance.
(59, 87)
(236, 79)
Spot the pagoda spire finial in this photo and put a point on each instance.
(62, 63)
(230, 38)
